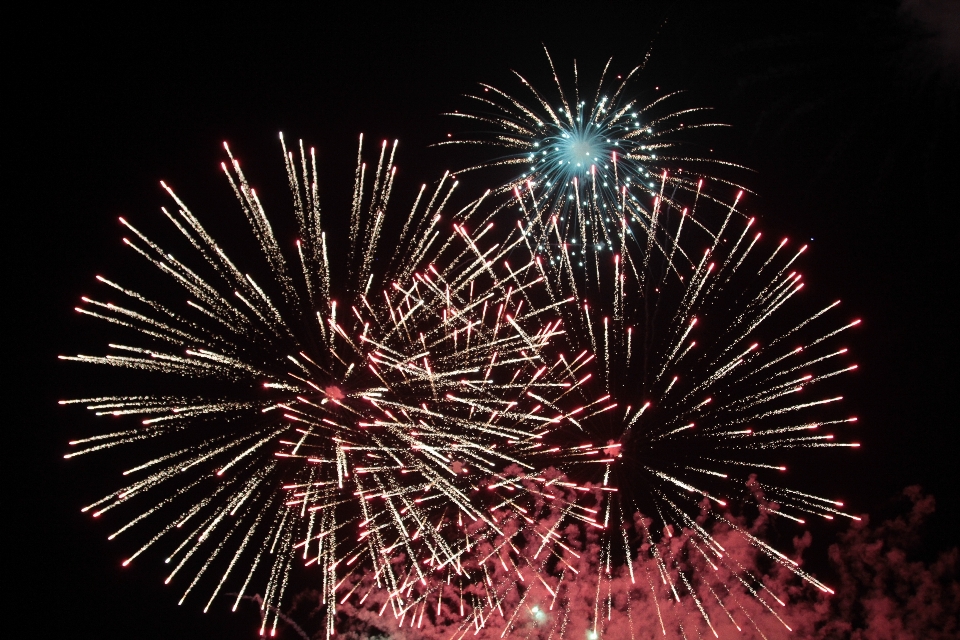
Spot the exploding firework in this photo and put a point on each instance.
(452, 380)
(293, 428)
(716, 367)
(456, 433)
(597, 167)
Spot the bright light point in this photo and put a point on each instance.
(334, 393)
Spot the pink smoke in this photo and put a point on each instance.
(880, 593)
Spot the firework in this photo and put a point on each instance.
(716, 372)
(597, 167)
(288, 421)
(436, 434)
(586, 395)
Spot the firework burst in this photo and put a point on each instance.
(300, 420)
(717, 374)
(211, 486)
(596, 164)
(590, 394)
(455, 376)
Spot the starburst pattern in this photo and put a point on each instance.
(292, 412)
(599, 163)
(716, 367)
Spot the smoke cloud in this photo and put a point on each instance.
(582, 591)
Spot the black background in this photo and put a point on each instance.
(848, 114)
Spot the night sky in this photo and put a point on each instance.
(848, 117)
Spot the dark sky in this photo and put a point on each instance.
(849, 116)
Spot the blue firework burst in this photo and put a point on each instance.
(595, 170)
